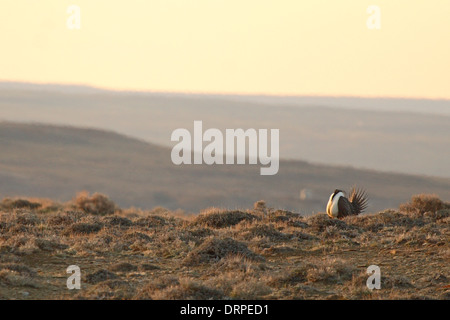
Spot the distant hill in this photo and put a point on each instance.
(398, 135)
(57, 162)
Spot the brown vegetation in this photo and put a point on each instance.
(260, 253)
(424, 203)
(95, 204)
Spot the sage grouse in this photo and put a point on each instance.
(339, 206)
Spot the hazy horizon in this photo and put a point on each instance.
(391, 135)
(390, 103)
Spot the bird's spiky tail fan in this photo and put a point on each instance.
(358, 198)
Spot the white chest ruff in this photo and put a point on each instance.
(332, 207)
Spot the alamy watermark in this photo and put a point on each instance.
(228, 148)
(374, 20)
(74, 19)
(374, 281)
(74, 281)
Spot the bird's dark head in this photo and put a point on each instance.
(336, 192)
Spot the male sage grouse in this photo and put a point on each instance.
(339, 206)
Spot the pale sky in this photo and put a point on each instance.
(284, 47)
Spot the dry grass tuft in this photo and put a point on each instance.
(16, 279)
(292, 277)
(123, 267)
(108, 290)
(251, 289)
(19, 268)
(261, 231)
(117, 221)
(260, 207)
(188, 289)
(397, 281)
(330, 270)
(320, 222)
(216, 218)
(100, 276)
(60, 219)
(238, 263)
(441, 214)
(82, 228)
(152, 221)
(215, 249)
(423, 203)
(8, 204)
(384, 220)
(49, 245)
(97, 204)
(134, 236)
